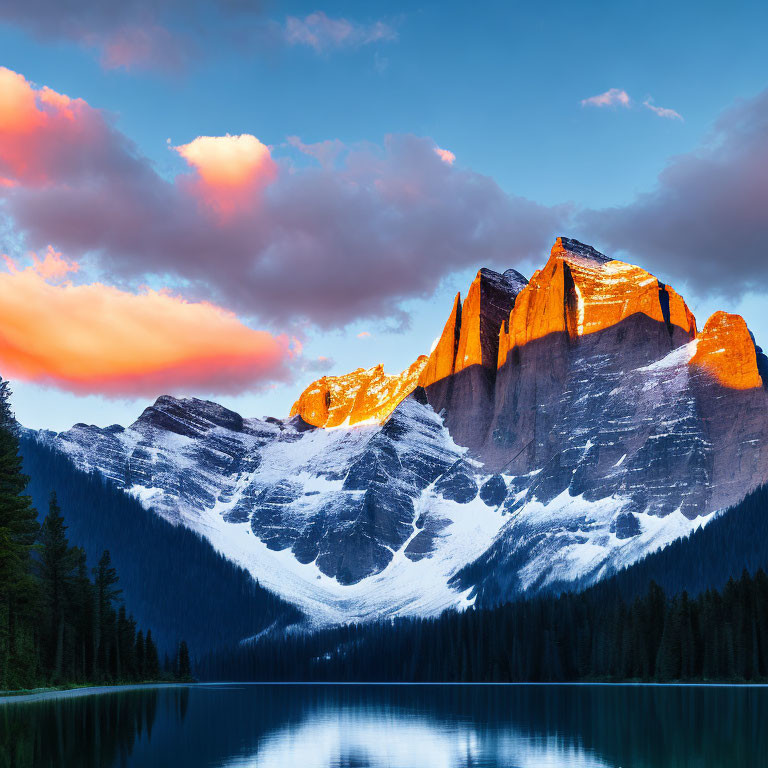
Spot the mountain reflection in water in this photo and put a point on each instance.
(392, 726)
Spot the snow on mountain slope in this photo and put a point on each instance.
(360, 522)
(345, 523)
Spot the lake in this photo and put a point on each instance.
(280, 726)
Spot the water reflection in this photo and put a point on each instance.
(348, 738)
(397, 727)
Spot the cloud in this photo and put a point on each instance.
(172, 35)
(611, 98)
(325, 245)
(319, 364)
(445, 155)
(147, 46)
(617, 97)
(705, 220)
(46, 136)
(96, 339)
(133, 34)
(325, 152)
(323, 33)
(232, 171)
(364, 335)
(669, 114)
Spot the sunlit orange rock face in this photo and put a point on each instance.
(365, 396)
(725, 350)
(442, 359)
(471, 334)
(459, 378)
(580, 291)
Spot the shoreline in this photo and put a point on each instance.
(105, 689)
(86, 691)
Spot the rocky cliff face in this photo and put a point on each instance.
(560, 428)
(459, 377)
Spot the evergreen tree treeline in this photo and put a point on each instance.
(58, 623)
(593, 635)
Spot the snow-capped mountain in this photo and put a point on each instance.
(560, 428)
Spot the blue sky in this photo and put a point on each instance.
(500, 85)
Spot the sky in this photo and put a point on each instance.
(230, 198)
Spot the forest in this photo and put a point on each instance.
(590, 636)
(61, 622)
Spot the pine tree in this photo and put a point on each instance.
(151, 659)
(185, 670)
(140, 657)
(126, 642)
(105, 579)
(57, 569)
(83, 609)
(18, 529)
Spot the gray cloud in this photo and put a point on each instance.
(170, 34)
(141, 34)
(325, 244)
(706, 220)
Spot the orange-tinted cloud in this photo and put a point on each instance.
(231, 170)
(98, 339)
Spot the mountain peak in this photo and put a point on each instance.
(726, 351)
(581, 291)
(566, 246)
(188, 416)
(471, 333)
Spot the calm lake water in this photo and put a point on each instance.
(392, 726)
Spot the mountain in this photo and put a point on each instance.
(560, 429)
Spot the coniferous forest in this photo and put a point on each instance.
(61, 622)
(594, 635)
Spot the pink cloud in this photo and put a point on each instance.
(363, 335)
(232, 170)
(321, 32)
(53, 266)
(445, 155)
(610, 98)
(98, 339)
(669, 114)
(46, 136)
